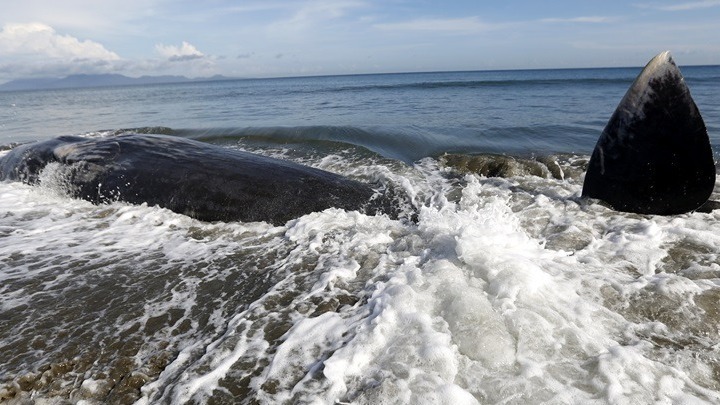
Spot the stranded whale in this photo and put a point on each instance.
(654, 156)
(201, 180)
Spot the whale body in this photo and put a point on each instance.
(654, 156)
(204, 181)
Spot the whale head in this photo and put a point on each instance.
(654, 155)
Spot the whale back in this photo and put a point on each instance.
(201, 180)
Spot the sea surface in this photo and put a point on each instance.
(508, 288)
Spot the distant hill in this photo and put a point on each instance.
(100, 80)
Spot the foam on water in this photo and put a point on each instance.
(505, 290)
(469, 307)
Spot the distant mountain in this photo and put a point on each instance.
(100, 80)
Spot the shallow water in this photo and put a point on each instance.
(509, 288)
(506, 290)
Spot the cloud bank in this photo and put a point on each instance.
(40, 40)
(38, 50)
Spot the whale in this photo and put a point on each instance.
(204, 181)
(654, 155)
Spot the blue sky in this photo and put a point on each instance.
(268, 38)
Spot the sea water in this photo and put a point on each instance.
(508, 288)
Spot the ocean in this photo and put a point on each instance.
(505, 288)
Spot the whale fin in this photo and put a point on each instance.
(654, 156)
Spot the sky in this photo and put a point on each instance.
(272, 38)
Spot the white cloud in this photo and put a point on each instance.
(589, 19)
(683, 6)
(38, 50)
(195, 63)
(311, 15)
(180, 53)
(324, 10)
(40, 41)
(467, 24)
(87, 16)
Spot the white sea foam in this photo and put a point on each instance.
(468, 307)
(504, 291)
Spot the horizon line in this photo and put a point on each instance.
(221, 77)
